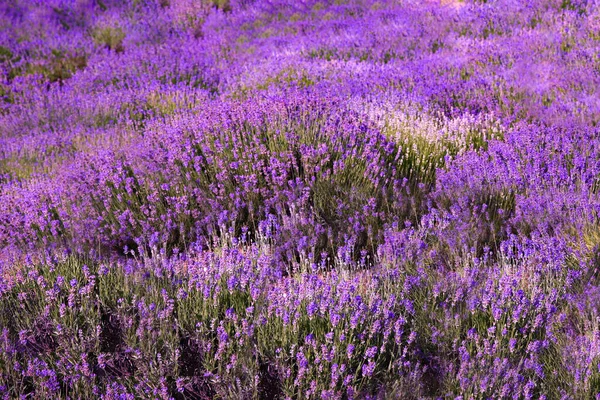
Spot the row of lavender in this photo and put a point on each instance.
(254, 199)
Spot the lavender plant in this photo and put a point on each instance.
(260, 199)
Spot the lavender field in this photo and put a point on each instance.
(299, 199)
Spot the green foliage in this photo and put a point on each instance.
(110, 37)
(570, 5)
(57, 67)
(436, 46)
(223, 5)
(5, 54)
(594, 379)
(290, 77)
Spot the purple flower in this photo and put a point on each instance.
(511, 344)
(312, 308)
(222, 334)
(350, 350)
(371, 352)
(368, 369)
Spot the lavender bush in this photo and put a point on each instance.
(252, 199)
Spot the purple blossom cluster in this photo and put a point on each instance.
(274, 199)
